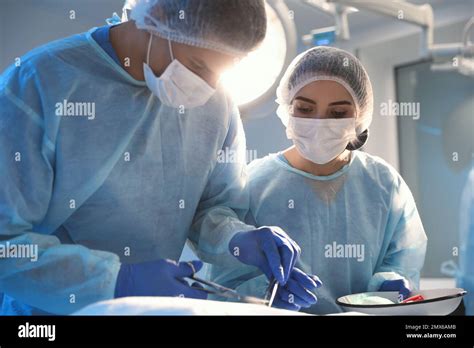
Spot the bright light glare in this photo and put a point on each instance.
(257, 72)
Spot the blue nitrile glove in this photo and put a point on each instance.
(297, 292)
(268, 248)
(158, 278)
(400, 285)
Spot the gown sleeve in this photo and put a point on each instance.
(406, 250)
(225, 200)
(57, 278)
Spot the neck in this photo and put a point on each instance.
(301, 163)
(131, 44)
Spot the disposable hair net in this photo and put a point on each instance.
(234, 27)
(330, 64)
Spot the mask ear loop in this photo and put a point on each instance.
(171, 50)
(149, 50)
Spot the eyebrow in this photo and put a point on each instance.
(306, 100)
(341, 102)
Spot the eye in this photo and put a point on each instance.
(199, 69)
(339, 114)
(304, 109)
(197, 65)
(195, 70)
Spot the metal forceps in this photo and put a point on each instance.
(271, 292)
(219, 290)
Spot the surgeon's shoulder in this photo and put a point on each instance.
(261, 169)
(230, 104)
(378, 170)
(44, 58)
(61, 48)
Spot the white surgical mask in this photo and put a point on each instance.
(320, 140)
(177, 86)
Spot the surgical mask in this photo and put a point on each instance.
(320, 140)
(177, 86)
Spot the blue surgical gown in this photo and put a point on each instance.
(356, 227)
(131, 181)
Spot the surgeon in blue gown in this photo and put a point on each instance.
(352, 214)
(109, 143)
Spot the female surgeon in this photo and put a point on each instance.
(108, 160)
(351, 213)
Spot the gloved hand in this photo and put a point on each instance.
(158, 278)
(297, 292)
(400, 285)
(268, 248)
